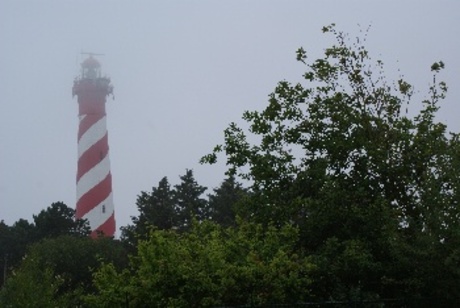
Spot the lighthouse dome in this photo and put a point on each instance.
(90, 63)
(91, 68)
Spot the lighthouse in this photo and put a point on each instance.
(94, 179)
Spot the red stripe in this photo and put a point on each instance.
(87, 122)
(94, 196)
(107, 228)
(93, 156)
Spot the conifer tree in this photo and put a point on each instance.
(188, 202)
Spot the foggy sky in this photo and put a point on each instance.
(182, 71)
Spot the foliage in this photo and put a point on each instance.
(61, 268)
(224, 201)
(188, 202)
(13, 242)
(209, 266)
(31, 287)
(167, 208)
(164, 208)
(373, 191)
(59, 219)
(156, 210)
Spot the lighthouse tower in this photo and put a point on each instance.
(94, 179)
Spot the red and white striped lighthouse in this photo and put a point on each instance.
(94, 179)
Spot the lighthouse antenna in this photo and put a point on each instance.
(92, 53)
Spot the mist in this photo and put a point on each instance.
(181, 71)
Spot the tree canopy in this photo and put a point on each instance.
(57, 219)
(57, 272)
(373, 191)
(167, 207)
(208, 266)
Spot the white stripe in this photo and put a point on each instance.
(97, 216)
(95, 133)
(93, 177)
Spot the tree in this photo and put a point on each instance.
(188, 202)
(373, 191)
(59, 271)
(56, 220)
(13, 244)
(208, 266)
(24, 290)
(4, 243)
(156, 210)
(224, 200)
(59, 219)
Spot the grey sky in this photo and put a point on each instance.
(182, 70)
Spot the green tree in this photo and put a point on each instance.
(188, 202)
(4, 244)
(223, 202)
(13, 244)
(373, 191)
(56, 220)
(30, 291)
(156, 209)
(61, 268)
(209, 266)
(59, 219)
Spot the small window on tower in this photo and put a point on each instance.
(103, 208)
